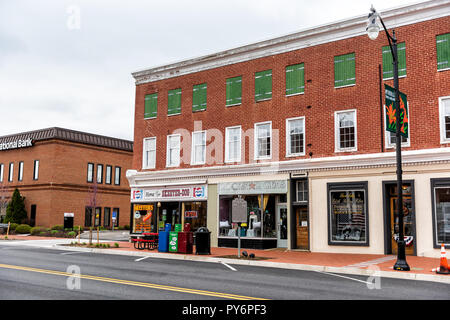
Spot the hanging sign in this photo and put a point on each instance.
(391, 112)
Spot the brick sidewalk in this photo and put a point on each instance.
(418, 265)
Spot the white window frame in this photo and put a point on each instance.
(337, 147)
(388, 134)
(288, 138)
(11, 172)
(256, 149)
(227, 147)
(2, 168)
(36, 170)
(444, 139)
(145, 154)
(193, 160)
(20, 177)
(168, 149)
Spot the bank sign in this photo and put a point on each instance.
(188, 193)
(16, 144)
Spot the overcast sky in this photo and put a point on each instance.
(69, 63)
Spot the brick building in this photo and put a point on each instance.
(61, 171)
(295, 126)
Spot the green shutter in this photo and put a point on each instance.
(388, 67)
(234, 91)
(443, 51)
(151, 105)
(295, 79)
(174, 102)
(199, 97)
(344, 70)
(263, 85)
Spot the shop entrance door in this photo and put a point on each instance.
(302, 228)
(281, 219)
(408, 216)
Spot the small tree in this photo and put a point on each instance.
(15, 211)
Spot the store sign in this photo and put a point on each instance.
(194, 193)
(191, 214)
(253, 187)
(16, 144)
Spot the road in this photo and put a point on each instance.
(41, 273)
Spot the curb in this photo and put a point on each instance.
(268, 264)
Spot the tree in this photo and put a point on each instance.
(15, 211)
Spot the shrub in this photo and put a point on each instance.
(37, 230)
(58, 227)
(13, 226)
(53, 232)
(71, 234)
(116, 245)
(23, 228)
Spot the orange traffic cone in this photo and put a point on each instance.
(443, 268)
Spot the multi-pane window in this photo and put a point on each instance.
(90, 172)
(233, 144)
(263, 140)
(302, 191)
(20, 177)
(11, 172)
(344, 70)
(198, 147)
(173, 150)
(108, 174)
(444, 115)
(151, 105)
(99, 173)
(117, 176)
(263, 85)
(440, 188)
(443, 51)
(149, 153)
(199, 97)
(234, 91)
(345, 130)
(36, 170)
(388, 66)
(295, 133)
(106, 217)
(295, 79)
(174, 102)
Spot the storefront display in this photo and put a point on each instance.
(347, 214)
(441, 211)
(142, 218)
(263, 221)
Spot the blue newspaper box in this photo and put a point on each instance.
(163, 242)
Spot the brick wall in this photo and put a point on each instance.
(423, 86)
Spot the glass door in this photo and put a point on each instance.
(281, 220)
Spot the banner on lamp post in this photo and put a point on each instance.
(391, 112)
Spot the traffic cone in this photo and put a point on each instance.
(443, 268)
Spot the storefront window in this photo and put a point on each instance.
(348, 214)
(441, 210)
(143, 218)
(257, 225)
(195, 214)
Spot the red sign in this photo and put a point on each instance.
(191, 214)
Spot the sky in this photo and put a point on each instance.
(69, 63)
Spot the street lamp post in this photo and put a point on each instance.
(372, 31)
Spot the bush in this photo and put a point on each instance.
(116, 245)
(36, 230)
(23, 228)
(71, 234)
(13, 226)
(54, 232)
(58, 227)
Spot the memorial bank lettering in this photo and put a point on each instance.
(16, 144)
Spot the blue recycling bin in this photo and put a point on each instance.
(163, 241)
(168, 227)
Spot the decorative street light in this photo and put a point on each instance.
(372, 31)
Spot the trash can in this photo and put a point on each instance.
(163, 241)
(178, 227)
(173, 241)
(186, 240)
(202, 241)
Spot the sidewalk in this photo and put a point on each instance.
(356, 264)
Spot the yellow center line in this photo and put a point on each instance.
(133, 283)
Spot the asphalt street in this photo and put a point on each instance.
(48, 274)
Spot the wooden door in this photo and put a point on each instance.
(302, 228)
